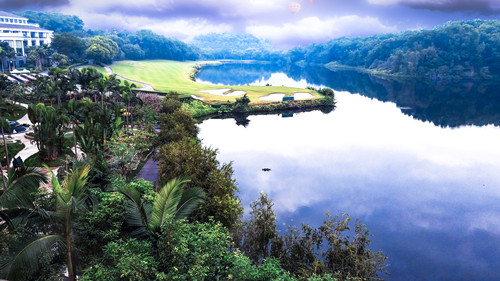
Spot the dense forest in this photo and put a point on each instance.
(235, 46)
(106, 46)
(455, 50)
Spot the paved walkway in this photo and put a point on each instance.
(29, 148)
(150, 171)
(144, 86)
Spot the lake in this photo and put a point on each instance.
(418, 163)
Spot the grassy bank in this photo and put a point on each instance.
(166, 76)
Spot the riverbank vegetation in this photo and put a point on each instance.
(93, 220)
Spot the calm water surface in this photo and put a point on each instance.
(420, 170)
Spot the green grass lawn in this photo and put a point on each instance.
(99, 69)
(166, 76)
(13, 112)
(14, 148)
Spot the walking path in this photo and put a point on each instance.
(149, 171)
(144, 86)
(29, 148)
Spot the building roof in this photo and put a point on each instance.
(5, 14)
(23, 27)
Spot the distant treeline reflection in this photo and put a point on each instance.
(444, 103)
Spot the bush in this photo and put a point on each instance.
(125, 260)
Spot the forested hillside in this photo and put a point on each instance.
(93, 44)
(235, 46)
(454, 50)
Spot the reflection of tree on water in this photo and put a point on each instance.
(241, 118)
(450, 103)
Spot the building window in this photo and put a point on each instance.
(42, 42)
(1, 19)
(33, 42)
(11, 20)
(15, 21)
(33, 34)
(40, 34)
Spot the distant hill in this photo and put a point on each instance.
(235, 46)
(460, 49)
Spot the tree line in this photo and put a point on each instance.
(461, 49)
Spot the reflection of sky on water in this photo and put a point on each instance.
(274, 79)
(429, 194)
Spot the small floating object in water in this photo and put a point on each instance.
(266, 169)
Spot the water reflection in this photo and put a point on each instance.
(452, 103)
(429, 194)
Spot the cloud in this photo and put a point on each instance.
(30, 4)
(313, 29)
(210, 9)
(182, 29)
(486, 7)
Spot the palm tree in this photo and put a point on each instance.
(129, 96)
(173, 201)
(19, 185)
(4, 124)
(72, 198)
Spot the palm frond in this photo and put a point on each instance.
(139, 211)
(167, 201)
(28, 259)
(20, 186)
(191, 198)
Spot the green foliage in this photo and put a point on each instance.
(38, 55)
(13, 148)
(60, 60)
(241, 269)
(48, 130)
(176, 123)
(197, 251)
(69, 45)
(125, 260)
(241, 104)
(259, 230)
(100, 227)
(54, 21)
(146, 44)
(330, 249)
(463, 49)
(101, 49)
(172, 201)
(234, 46)
(198, 108)
(189, 158)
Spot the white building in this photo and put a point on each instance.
(20, 34)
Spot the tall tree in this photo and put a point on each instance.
(101, 49)
(72, 197)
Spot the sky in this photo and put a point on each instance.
(286, 23)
